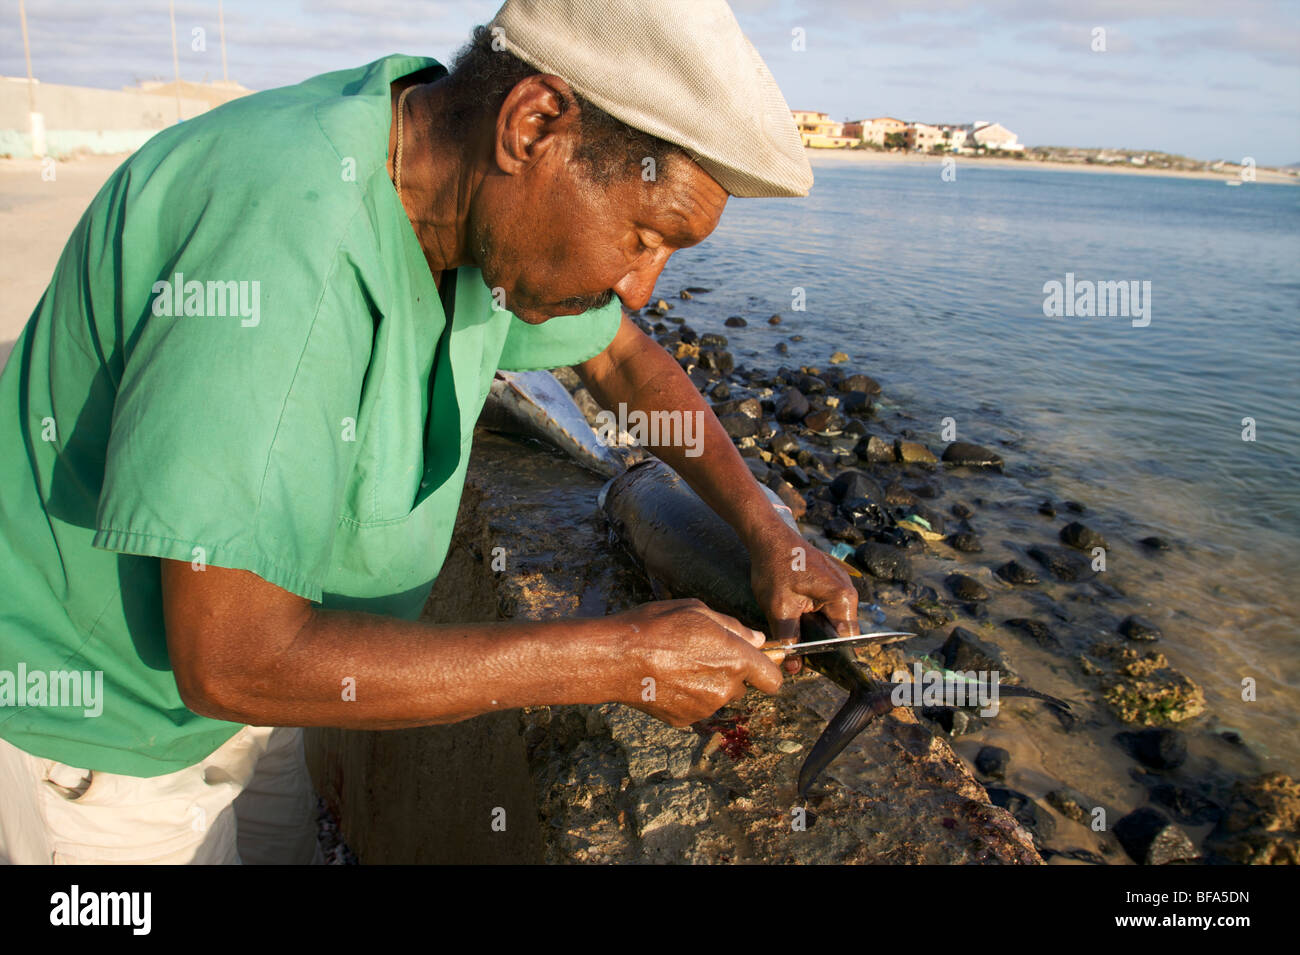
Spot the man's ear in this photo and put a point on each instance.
(539, 113)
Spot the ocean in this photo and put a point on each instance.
(937, 287)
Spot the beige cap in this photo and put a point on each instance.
(678, 69)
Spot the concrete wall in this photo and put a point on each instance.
(81, 119)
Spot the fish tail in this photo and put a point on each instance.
(863, 706)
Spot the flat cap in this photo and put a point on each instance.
(681, 70)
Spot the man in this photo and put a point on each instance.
(237, 425)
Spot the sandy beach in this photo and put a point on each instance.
(1123, 169)
(36, 217)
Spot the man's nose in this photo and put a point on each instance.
(638, 285)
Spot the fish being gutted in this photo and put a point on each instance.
(689, 551)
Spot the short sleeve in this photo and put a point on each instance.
(235, 433)
(563, 340)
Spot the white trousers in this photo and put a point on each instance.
(249, 802)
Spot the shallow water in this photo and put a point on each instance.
(937, 289)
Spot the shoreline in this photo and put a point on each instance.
(870, 156)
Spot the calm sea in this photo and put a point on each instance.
(937, 288)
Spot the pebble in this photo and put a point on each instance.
(1149, 838)
(911, 452)
(839, 358)
(735, 321)
(1154, 543)
(774, 320)
(883, 561)
(964, 650)
(1081, 537)
(1014, 572)
(992, 761)
(1158, 748)
(966, 543)
(966, 588)
(792, 406)
(1063, 564)
(860, 383)
(1139, 628)
(965, 454)
(789, 746)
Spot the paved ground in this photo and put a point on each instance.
(36, 217)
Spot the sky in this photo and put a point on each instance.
(1212, 79)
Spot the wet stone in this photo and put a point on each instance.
(883, 561)
(1150, 838)
(963, 650)
(992, 761)
(965, 454)
(966, 543)
(1139, 628)
(1014, 572)
(1081, 537)
(966, 588)
(735, 321)
(1159, 748)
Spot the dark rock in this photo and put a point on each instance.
(860, 383)
(782, 348)
(791, 406)
(1139, 628)
(1186, 805)
(745, 406)
(962, 511)
(856, 428)
(965, 454)
(898, 496)
(966, 542)
(966, 588)
(713, 340)
(1064, 565)
(1047, 509)
(796, 476)
(824, 422)
(721, 393)
(852, 484)
(1154, 543)
(1027, 812)
(1040, 633)
(1150, 838)
(864, 512)
(735, 321)
(963, 650)
(819, 512)
(857, 403)
(935, 613)
(784, 443)
(1074, 507)
(774, 320)
(1014, 572)
(992, 761)
(875, 451)
(883, 562)
(739, 425)
(838, 529)
(1081, 537)
(757, 468)
(810, 384)
(1159, 747)
(717, 360)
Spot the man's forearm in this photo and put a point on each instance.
(364, 671)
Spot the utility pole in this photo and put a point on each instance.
(221, 19)
(176, 63)
(36, 120)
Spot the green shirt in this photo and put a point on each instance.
(242, 360)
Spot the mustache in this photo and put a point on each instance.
(585, 303)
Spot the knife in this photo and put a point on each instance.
(825, 646)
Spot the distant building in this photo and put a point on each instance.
(820, 131)
(874, 130)
(922, 136)
(214, 94)
(954, 138)
(995, 136)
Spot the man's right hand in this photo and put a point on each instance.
(698, 659)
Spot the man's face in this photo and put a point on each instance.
(559, 244)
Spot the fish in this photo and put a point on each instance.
(534, 404)
(689, 551)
